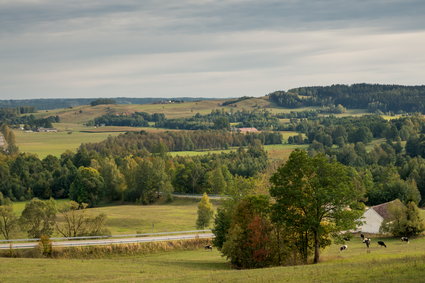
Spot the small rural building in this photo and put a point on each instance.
(247, 130)
(374, 216)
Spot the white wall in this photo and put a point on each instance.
(372, 221)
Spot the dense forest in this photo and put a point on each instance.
(87, 176)
(395, 98)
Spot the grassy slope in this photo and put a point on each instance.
(400, 262)
(180, 215)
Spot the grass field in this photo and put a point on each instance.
(179, 215)
(275, 151)
(55, 144)
(400, 262)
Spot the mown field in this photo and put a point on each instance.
(399, 262)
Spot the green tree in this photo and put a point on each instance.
(248, 241)
(403, 220)
(114, 180)
(87, 186)
(39, 217)
(315, 198)
(205, 212)
(8, 221)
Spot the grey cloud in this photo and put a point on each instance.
(217, 48)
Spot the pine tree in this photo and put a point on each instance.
(205, 212)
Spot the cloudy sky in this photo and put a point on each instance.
(222, 48)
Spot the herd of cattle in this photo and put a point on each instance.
(367, 241)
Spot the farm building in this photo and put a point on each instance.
(374, 216)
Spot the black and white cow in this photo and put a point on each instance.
(342, 248)
(381, 244)
(367, 242)
(208, 247)
(405, 239)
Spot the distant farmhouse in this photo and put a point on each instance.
(374, 216)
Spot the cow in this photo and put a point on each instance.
(367, 242)
(208, 247)
(342, 248)
(381, 244)
(346, 239)
(362, 236)
(405, 239)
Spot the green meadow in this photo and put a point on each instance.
(399, 262)
(179, 215)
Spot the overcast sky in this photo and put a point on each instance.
(227, 48)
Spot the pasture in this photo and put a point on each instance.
(179, 215)
(400, 262)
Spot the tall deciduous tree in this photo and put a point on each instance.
(87, 186)
(315, 197)
(39, 217)
(205, 212)
(8, 221)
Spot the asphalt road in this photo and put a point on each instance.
(108, 241)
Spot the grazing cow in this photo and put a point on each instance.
(344, 247)
(346, 239)
(208, 247)
(367, 242)
(362, 236)
(405, 239)
(382, 244)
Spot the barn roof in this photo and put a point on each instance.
(382, 209)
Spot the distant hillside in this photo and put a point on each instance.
(395, 98)
(55, 103)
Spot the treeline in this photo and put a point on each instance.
(221, 119)
(138, 143)
(89, 177)
(339, 131)
(6, 113)
(395, 98)
(13, 117)
(101, 101)
(216, 120)
(137, 119)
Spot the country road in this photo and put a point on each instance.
(108, 241)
